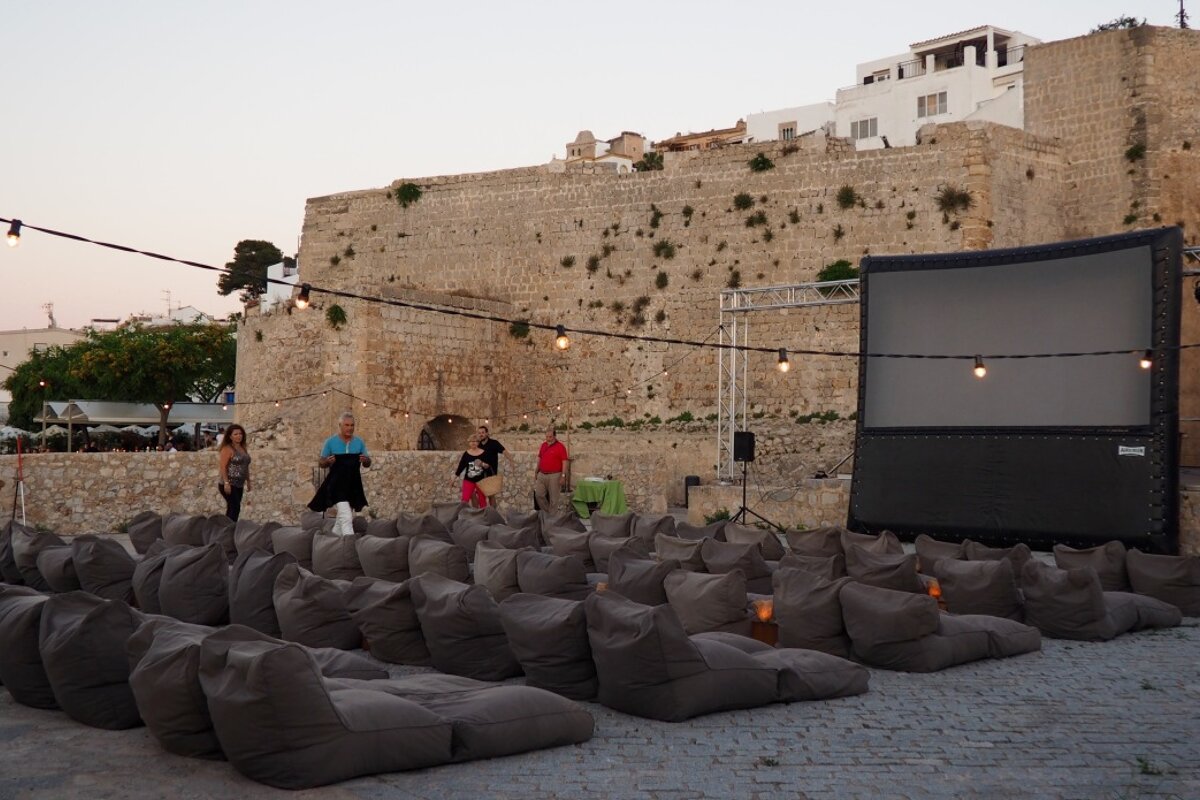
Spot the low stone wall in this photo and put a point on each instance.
(96, 492)
(811, 503)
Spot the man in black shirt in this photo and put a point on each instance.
(492, 450)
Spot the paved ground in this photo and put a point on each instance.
(1112, 721)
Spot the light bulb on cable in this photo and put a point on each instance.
(1146, 361)
(14, 233)
(302, 298)
(561, 340)
(783, 364)
(980, 369)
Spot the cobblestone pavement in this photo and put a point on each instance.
(1113, 721)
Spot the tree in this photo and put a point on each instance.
(53, 366)
(1118, 23)
(159, 365)
(650, 161)
(248, 270)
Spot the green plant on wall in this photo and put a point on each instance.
(568, 261)
(742, 201)
(335, 315)
(661, 280)
(518, 330)
(407, 193)
(951, 200)
(847, 197)
(760, 163)
(664, 249)
(1136, 152)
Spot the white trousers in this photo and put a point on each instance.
(344, 524)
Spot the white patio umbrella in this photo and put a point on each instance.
(9, 432)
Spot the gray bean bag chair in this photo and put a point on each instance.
(552, 576)
(21, 669)
(1019, 554)
(427, 554)
(252, 589)
(1172, 579)
(496, 569)
(296, 541)
(445, 513)
(280, 722)
(808, 611)
(803, 674)
(602, 548)
(467, 533)
(522, 520)
(1108, 560)
(566, 519)
(147, 574)
(618, 526)
(567, 542)
(220, 531)
(713, 530)
(387, 617)
(882, 543)
(144, 530)
(516, 538)
(722, 557)
(647, 665)
(980, 587)
(82, 641)
(165, 664)
(336, 557)
(930, 551)
(640, 579)
(706, 603)
(828, 567)
(425, 525)
(383, 528)
(312, 611)
(250, 535)
(57, 568)
(384, 557)
(549, 637)
(184, 529)
(647, 526)
(8, 566)
(194, 586)
(462, 629)
(886, 570)
(1071, 604)
(313, 520)
(484, 516)
(816, 542)
(104, 567)
(768, 542)
(906, 632)
(26, 544)
(685, 551)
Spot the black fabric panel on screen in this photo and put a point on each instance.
(1065, 482)
(1041, 489)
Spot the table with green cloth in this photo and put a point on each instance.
(609, 497)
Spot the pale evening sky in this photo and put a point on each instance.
(182, 128)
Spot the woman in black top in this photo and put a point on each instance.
(473, 468)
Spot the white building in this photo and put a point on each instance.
(973, 74)
(279, 294)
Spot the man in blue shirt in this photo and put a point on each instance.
(342, 455)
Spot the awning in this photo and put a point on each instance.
(104, 412)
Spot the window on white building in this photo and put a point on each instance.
(864, 128)
(787, 130)
(931, 104)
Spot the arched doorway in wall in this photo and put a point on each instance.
(445, 432)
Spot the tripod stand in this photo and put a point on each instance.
(743, 512)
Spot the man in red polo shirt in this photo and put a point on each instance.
(550, 479)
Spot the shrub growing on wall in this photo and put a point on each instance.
(335, 315)
(407, 193)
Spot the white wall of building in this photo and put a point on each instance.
(276, 294)
(764, 126)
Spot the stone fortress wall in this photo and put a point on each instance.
(517, 244)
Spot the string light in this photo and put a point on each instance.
(783, 364)
(224, 406)
(364, 403)
(277, 404)
(980, 369)
(1146, 361)
(166, 406)
(561, 340)
(302, 298)
(14, 233)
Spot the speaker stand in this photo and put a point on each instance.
(744, 512)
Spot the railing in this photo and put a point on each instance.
(1013, 55)
(910, 69)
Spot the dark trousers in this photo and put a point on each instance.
(233, 501)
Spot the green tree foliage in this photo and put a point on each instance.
(650, 161)
(248, 270)
(1118, 23)
(161, 365)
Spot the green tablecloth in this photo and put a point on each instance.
(608, 495)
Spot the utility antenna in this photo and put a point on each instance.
(49, 309)
(1182, 16)
(166, 293)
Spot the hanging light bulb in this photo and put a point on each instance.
(558, 407)
(167, 406)
(277, 404)
(1146, 361)
(449, 420)
(406, 415)
(302, 298)
(364, 403)
(980, 369)
(784, 365)
(224, 406)
(14, 233)
(561, 340)
(487, 421)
